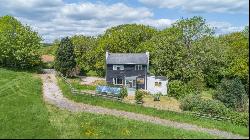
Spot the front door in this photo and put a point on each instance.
(130, 82)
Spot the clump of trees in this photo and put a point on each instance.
(19, 45)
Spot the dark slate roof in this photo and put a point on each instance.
(161, 78)
(164, 78)
(127, 58)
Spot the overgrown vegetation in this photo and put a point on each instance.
(232, 93)
(213, 107)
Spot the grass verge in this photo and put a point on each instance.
(87, 125)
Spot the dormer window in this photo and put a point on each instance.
(118, 67)
(138, 67)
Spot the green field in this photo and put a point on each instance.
(25, 115)
(180, 117)
(48, 50)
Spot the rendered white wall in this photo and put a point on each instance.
(155, 89)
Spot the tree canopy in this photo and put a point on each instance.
(65, 57)
(19, 45)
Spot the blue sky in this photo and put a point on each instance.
(54, 19)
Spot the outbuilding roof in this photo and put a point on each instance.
(127, 58)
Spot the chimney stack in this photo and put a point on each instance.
(147, 53)
(107, 53)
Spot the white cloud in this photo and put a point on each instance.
(225, 27)
(158, 23)
(218, 6)
(57, 19)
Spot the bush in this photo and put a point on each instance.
(190, 102)
(213, 107)
(139, 95)
(123, 93)
(232, 93)
(239, 118)
(208, 106)
(157, 96)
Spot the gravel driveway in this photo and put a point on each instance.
(53, 95)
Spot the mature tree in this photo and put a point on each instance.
(193, 29)
(211, 56)
(19, 45)
(65, 57)
(175, 53)
(85, 51)
(122, 39)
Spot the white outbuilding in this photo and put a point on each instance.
(157, 84)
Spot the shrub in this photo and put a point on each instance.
(157, 96)
(190, 102)
(239, 118)
(232, 93)
(139, 95)
(123, 93)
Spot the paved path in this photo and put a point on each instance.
(53, 95)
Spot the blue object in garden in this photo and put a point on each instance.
(107, 89)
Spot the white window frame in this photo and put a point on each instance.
(138, 67)
(116, 66)
(115, 81)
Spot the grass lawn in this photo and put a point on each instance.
(48, 50)
(180, 117)
(92, 73)
(76, 85)
(165, 103)
(25, 115)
